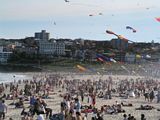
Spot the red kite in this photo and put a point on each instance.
(158, 19)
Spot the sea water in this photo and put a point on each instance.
(11, 77)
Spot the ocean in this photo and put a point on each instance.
(10, 77)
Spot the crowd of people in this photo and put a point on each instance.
(74, 92)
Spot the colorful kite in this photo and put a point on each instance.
(100, 59)
(119, 36)
(128, 27)
(158, 19)
(81, 68)
(110, 32)
(112, 60)
(103, 58)
(122, 38)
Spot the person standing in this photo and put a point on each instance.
(125, 117)
(158, 97)
(77, 105)
(151, 96)
(3, 109)
(82, 94)
(143, 117)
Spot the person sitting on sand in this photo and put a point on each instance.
(110, 110)
(127, 105)
(99, 117)
(26, 115)
(145, 107)
(38, 108)
(78, 116)
(19, 104)
(48, 110)
(100, 95)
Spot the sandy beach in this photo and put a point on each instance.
(55, 100)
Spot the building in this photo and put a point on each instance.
(130, 58)
(26, 49)
(119, 44)
(51, 48)
(43, 35)
(4, 56)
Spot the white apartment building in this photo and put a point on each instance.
(47, 47)
(51, 48)
(4, 56)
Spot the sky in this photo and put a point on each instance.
(22, 18)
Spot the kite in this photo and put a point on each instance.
(122, 38)
(110, 32)
(128, 27)
(66, 0)
(119, 36)
(112, 60)
(138, 56)
(100, 14)
(90, 15)
(100, 59)
(148, 56)
(104, 58)
(81, 68)
(158, 19)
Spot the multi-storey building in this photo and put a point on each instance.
(119, 44)
(51, 48)
(4, 56)
(48, 46)
(43, 35)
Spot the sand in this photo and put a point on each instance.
(55, 100)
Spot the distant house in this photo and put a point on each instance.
(4, 56)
